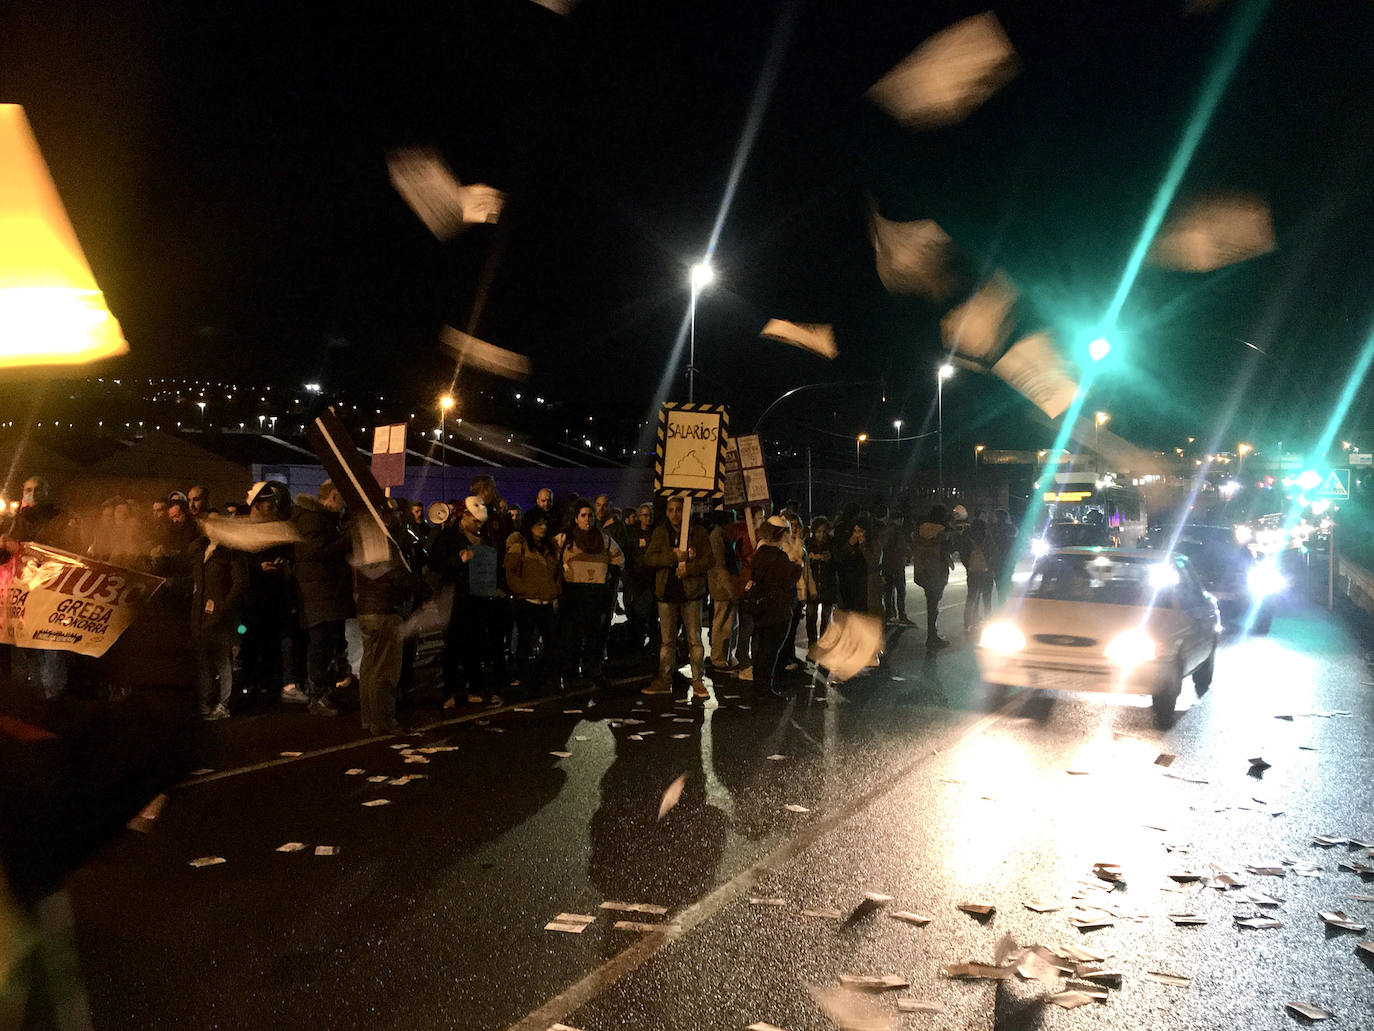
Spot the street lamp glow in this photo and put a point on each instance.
(946, 370)
(702, 275)
(1243, 449)
(897, 425)
(863, 437)
(446, 402)
(978, 449)
(1102, 418)
(1099, 349)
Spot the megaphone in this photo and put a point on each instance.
(437, 513)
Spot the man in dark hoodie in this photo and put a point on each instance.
(325, 582)
(931, 562)
(219, 578)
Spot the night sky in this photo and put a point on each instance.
(225, 168)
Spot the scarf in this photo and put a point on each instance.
(589, 542)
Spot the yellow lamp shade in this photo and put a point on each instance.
(51, 311)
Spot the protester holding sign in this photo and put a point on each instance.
(468, 565)
(590, 561)
(680, 586)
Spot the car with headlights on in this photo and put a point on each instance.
(1067, 533)
(1098, 619)
(1247, 583)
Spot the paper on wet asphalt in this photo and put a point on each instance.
(559, 1027)
(973, 971)
(292, 755)
(1091, 919)
(763, 1025)
(635, 907)
(1262, 923)
(1355, 866)
(1267, 870)
(872, 983)
(1100, 976)
(1311, 1012)
(562, 755)
(357, 771)
(372, 803)
(291, 846)
(1187, 919)
(671, 795)
(877, 896)
(523, 708)
(326, 850)
(977, 908)
(1365, 947)
(1080, 955)
(143, 822)
(643, 928)
(566, 926)
(757, 900)
(679, 737)
(1177, 980)
(792, 807)
(1360, 898)
(850, 1010)
(1165, 759)
(572, 712)
(919, 1006)
(1043, 905)
(908, 917)
(775, 757)
(380, 778)
(207, 861)
(1073, 999)
(1327, 841)
(1336, 918)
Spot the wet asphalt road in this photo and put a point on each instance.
(432, 912)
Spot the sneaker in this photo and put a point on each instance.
(656, 687)
(747, 673)
(450, 703)
(219, 712)
(699, 690)
(292, 693)
(322, 707)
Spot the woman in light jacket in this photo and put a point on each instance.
(591, 563)
(535, 582)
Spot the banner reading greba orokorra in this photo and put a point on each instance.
(64, 602)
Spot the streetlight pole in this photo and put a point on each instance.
(977, 461)
(445, 403)
(943, 373)
(1241, 451)
(857, 441)
(702, 276)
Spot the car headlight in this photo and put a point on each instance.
(1132, 648)
(1263, 580)
(1040, 547)
(1002, 637)
(1243, 533)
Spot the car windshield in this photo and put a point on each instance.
(1103, 579)
(1075, 535)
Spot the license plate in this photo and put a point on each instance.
(1063, 680)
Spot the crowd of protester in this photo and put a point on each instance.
(518, 604)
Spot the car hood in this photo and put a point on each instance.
(1084, 620)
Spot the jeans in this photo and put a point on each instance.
(723, 630)
(817, 619)
(934, 592)
(322, 657)
(768, 653)
(533, 619)
(474, 637)
(379, 676)
(214, 652)
(894, 588)
(671, 614)
(583, 641)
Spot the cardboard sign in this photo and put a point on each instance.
(482, 582)
(57, 601)
(389, 454)
(687, 459)
(751, 463)
(732, 476)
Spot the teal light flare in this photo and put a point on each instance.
(1241, 30)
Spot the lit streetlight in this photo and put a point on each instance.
(977, 461)
(702, 276)
(201, 406)
(445, 406)
(1241, 451)
(857, 441)
(943, 373)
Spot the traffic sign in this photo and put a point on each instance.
(1361, 458)
(1336, 486)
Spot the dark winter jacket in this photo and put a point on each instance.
(773, 585)
(219, 578)
(660, 557)
(47, 524)
(858, 577)
(931, 556)
(323, 576)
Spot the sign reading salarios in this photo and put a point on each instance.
(688, 454)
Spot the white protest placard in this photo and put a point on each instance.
(687, 459)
